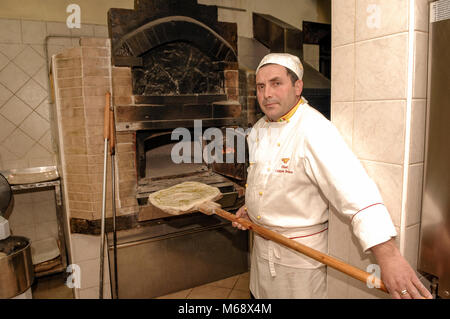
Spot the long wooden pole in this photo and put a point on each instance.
(106, 136)
(337, 264)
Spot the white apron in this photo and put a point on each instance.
(298, 167)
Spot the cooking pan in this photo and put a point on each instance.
(5, 194)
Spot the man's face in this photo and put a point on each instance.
(275, 92)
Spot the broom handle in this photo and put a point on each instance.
(310, 252)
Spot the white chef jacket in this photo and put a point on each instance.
(298, 167)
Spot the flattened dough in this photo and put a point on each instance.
(184, 198)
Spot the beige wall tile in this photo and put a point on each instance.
(6, 128)
(381, 68)
(10, 31)
(414, 199)
(343, 67)
(47, 142)
(85, 247)
(337, 284)
(57, 28)
(12, 77)
(380, 17)
(361, 260)
(15, 163)
(339, 235)
(421, 15)
(11, 50)
(42, 77)
(32, 93)
(33, 32)
(18, 143)
(5, 94)
(418, 124)
(6, 157)
(101, 31)
(378, 131)
(342, 118)
(420, 65)
(389, 179)
(90, 271)
(38, 154)
(412, 244)
(94, 42)
(86, 30)
(343, 26)
(29, 61)
(3, 61)
(43, 161)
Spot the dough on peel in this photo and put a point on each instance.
(184, 198)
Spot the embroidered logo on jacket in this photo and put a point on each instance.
(284, 168)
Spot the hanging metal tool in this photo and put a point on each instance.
(112, 151)
(106, 133)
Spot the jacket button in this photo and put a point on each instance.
(278, 144)
(246, 185)
(259, 217)
(260, 193)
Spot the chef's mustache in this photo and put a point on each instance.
(266, 102)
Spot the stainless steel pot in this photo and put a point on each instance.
(16, 268)
(5, 194)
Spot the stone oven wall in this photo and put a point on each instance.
(82, 76)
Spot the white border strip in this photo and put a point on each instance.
(407, 125)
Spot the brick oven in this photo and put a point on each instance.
(169, 64)
(182, 66)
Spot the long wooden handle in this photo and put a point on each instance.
(106, 116)
(310, 252)
(112, 133)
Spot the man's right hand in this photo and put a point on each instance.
(241, 213)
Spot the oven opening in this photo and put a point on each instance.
(163, 161)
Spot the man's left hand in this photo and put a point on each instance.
(397, 275)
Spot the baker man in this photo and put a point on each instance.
(299, 166)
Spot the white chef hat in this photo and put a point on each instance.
(285, 59)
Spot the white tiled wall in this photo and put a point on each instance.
(370, 107)
(86, 254)
(25, 117)
(34, 215)
(26, 131)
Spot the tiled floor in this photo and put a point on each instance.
(236, 287)
(51, 287)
